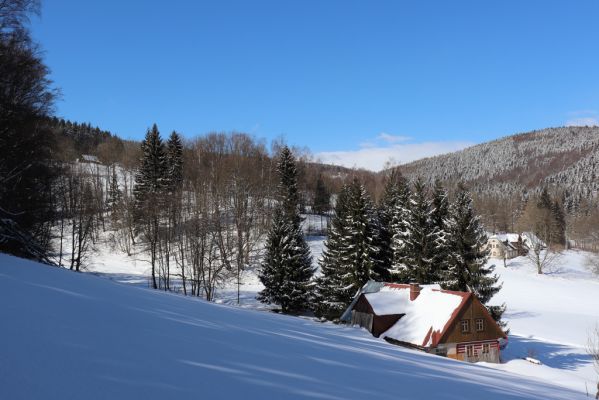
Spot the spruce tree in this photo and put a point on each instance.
(419, 242)
(400, 227)
(386, 209)
(115, 195)
(332, 294)
(149, 192)
(174, 163)
(468, 254)
(288, 192)
(287, 267)
(151, 176)
(351, 257)
(559, 223)
(362, 237)
(322, 197)
(439, 221)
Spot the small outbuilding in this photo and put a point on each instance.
(448, 323)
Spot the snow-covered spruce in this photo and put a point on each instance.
(467, 268)
(352, 255)
(287, 267)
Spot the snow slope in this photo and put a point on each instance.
(70, 336)
(550, 317)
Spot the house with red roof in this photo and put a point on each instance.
(443, 322)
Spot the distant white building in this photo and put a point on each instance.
(88, 158)
(510, 245)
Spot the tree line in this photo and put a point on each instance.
(412, 235)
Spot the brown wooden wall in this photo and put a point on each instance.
(380, 323)
(362, 305)
(472, 310)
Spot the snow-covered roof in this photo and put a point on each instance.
(510, 237)
(425, 318)
(528, 238)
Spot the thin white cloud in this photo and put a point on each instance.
(583, 121)
(583, 118)
(375, 158)
(388, 138)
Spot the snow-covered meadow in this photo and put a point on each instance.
(70, 335)
(549, 316)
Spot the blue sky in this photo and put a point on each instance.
(358, 82)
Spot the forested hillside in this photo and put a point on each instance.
(505, 174)
(564, 159)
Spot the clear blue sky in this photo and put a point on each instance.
(330, 75)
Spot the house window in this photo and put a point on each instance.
(480, 325)
(486, 348)
(441, 351)
(465, 325)
(469, 351)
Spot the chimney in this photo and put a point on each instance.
(414, 291)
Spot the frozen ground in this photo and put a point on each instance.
(67, 335)
(549, 316)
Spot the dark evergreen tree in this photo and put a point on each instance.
(467, 270)
(287, 271)
(150, 179)
(439, 220)
(352, 255)
(386, 210)
(115, 195)
(400, 225)
(150, 184)
(332, 295)
(363, 251)
(322, 197)
(544, 200)
(559, 223)
(174, 163)
(419, 243)
(288, 192)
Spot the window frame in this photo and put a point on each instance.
(486, 348)
(469, 350)
(465, 325)
(482, 324)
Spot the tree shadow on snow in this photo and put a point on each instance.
(553, 355)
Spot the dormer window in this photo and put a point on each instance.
(465, 325)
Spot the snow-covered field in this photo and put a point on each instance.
(75, 336)
(550, 316)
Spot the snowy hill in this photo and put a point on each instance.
(69, 335)
(566, 157)
(549, 315)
